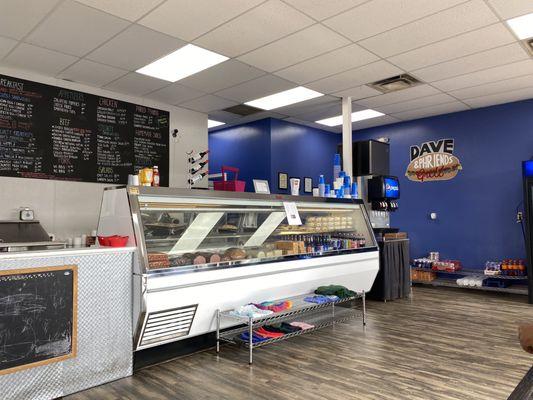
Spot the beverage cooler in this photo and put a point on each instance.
(528, 208)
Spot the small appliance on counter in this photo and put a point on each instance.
(25, 236)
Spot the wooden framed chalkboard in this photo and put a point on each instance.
(38, 316)
(51, 132)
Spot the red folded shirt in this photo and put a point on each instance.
(267, 334)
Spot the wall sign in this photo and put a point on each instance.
(433, 161)
(51, 132)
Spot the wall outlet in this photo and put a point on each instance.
(519, 217)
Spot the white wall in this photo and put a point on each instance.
(71, 208)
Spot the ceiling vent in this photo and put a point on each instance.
(528, 45)
(242, 109)
(395, 83)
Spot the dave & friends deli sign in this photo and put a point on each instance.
(433, 161)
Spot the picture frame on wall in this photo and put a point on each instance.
(283, 181)
(308, 185)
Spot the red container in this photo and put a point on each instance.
(230, 186)
(113, 241)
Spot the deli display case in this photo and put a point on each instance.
(200, 251)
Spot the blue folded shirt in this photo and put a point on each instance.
(255, 338)
(321, 299)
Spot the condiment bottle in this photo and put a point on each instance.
(156, 179)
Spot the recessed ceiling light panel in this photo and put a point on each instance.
(522, 26)
(183, 62)
(356, 116)
(284, 98)
(211, 123)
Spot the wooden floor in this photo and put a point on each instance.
(441, 344)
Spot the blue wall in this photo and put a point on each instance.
(476, 210)
(302, 151)
(246, 147)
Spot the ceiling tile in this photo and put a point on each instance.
(321, 111)
(456, 20)
(224, 116)
(221, 76)
(495, 87)
(136, 84)
(307, 43)
(475, 62)
(256, 88)
(175, 94)
(188, 19)
(34, 58)
(511, 8)
(92, 73)
(378, 121)
(355, 77)
(307, 107)
(458, 46)
(6, 45)
(19, 17)
(320, 9)
(500, 98)
(208, 103)
(422, 102)
(399, 96)
(331, 63)
(127, 9)
(76, 29)
(255, 28)
(123, 50)
(378, 16)
(358, 92)
(486, 76)
(433, 110)
(313, 125)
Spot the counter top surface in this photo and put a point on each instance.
(66, 252)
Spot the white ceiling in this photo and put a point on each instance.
(461, 50)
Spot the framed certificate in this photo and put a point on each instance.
(283, 181)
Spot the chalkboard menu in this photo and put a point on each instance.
(38, 316)
(55, 133)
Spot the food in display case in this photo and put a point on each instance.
(217, 235)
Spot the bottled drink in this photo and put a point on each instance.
(197, 178)
(197, 156)
(321, 186)
(156, 180)
(195, 168)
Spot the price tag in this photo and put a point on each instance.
(293, 216)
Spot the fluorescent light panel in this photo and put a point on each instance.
(211, 123)
(284, 98)
(183, 62)
(522, 26)
(356, 116)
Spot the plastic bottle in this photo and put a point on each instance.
(321, 186)
(346, 186)
(327, 190)
(156, 179)
(353, 192)
(336, 165)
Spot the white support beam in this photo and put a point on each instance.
(347, 135)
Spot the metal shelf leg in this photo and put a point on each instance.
(250, 341)
(364, 309)
(218, 331)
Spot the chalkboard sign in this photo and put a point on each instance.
(38, 316)
(55, 133)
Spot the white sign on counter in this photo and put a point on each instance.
(291, 210)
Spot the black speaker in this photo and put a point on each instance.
(370, 157)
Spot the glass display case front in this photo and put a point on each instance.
(188, 234)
